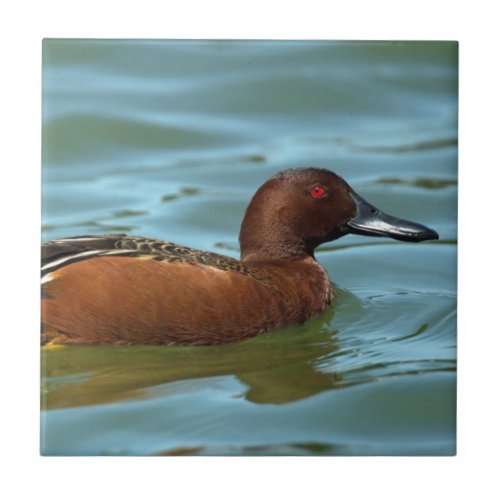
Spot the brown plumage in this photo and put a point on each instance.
(130, 290)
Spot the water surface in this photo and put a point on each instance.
(170, 140)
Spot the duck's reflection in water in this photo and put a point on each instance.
(276, 367)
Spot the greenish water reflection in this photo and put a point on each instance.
(277, 367)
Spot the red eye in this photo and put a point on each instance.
(317, 191)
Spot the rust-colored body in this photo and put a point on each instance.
(144, 301)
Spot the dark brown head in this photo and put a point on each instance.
(297, 210)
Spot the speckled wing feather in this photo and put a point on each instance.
(65, 251)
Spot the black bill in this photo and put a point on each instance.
(370, 221)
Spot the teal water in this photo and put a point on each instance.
(170, 140)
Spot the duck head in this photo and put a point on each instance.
(299, 209)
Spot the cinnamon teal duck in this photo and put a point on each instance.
(119, 289)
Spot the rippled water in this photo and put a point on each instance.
(170, 140)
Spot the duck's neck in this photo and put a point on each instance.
(263, 238)
(274, 251)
